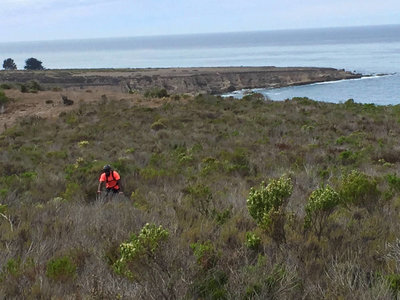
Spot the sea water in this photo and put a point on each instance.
(370, 50)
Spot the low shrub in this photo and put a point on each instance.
(210, 285)
(320, 206)
(393, 181)
(206, 254)
(6, 86)
(156, 93)
(61, 269)
(158, 125)
(200, 197)
(394, 282)
(3, 98)
(254, 97)
(24, 88)
(253, 241)
(357, 188)
(139, 247)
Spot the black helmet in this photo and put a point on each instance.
(107, 168)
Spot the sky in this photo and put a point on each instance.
(32, 20)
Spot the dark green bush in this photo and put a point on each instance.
(156, 93)
(394, 281)
(6, 86)
(357, 188)
(200, 197)
(253, 241)
(3, 98)
(211, 285)
(394, 182)
(61, 269)
(254, 97)
(206, 254)
(24, 88)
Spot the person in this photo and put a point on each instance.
(112, 180)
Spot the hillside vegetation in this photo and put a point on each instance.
(223, 199)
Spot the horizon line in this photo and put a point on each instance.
(197, 33)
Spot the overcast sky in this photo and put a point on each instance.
(25, 20)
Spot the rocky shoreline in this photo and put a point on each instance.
(212, 80)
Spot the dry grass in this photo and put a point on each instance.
(192, 176)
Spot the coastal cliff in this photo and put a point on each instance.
(213, 80)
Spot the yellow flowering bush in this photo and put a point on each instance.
(140, 246)
(266, 205)
(320, 205)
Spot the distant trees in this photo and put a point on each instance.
(30, 64)
(9, 64)
(33, 64)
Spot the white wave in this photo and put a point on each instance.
(353, 79)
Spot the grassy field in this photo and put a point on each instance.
(196, 220)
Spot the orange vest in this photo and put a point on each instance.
(111, 180)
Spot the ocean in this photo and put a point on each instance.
(373, 51)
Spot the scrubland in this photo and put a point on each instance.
(223, 199)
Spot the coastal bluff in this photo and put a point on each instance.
(212, 80)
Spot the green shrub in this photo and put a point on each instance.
(57, 154)
(206, 254)
(61, 269)
(34, 86)
(394, 182)
(320, 205)
(158, 125)
(156, 93)
(266, 205)
(236, 161)
(3, 194)
(358, 189)
(13, 266)
(222, 216)
(29, 175)
(304, 101)
(210, 285)
(83, 144)
(394, 282)
(3, 208)
(3, 98)
(139, 247)
(256, 97)
(5, 86)
(349, 103)
(200, 197)
(253, 241)
(24, 88)
(130, 150)
(349, 157)
(150, 173)
(210, 165)
(72, 191)
(252, 291)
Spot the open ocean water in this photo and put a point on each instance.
(370, 50)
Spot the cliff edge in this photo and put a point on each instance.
(213, 80)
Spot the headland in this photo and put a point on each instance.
(211, 80)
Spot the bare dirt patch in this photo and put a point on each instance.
(49, 104)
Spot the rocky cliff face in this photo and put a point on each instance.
(181, 80)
